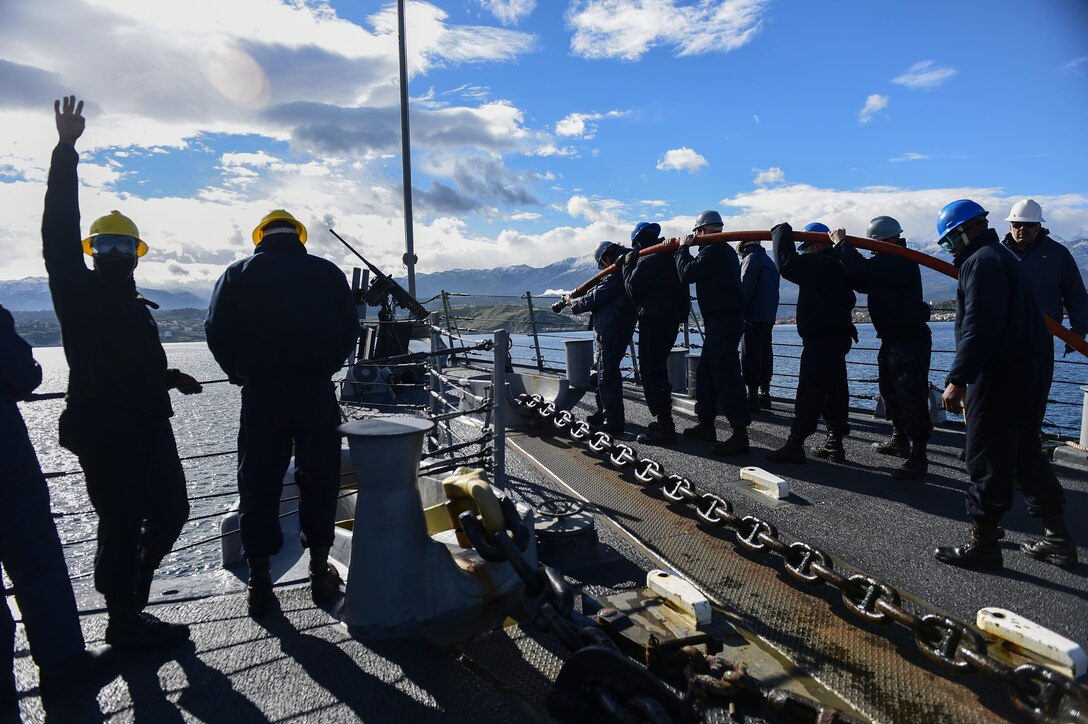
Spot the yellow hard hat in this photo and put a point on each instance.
(114, 223)
(279, 215)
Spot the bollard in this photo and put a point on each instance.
(579, 362)
(678, 371)
(402, 581)
(693, 373)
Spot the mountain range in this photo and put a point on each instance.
(32, 293)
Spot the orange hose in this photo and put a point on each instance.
(1055, 328)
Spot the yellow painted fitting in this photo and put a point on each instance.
(470, 483)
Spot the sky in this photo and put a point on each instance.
(538, 128)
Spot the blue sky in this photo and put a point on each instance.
(538, 128)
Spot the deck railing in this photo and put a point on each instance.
(536, 343)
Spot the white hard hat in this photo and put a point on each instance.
(1027, 211)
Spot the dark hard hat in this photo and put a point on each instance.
(708, 218)
(604, 249)
(883, 227)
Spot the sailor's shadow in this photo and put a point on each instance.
(210, 695)
(79, 706)
(140, 671)
(440, 671)
(334, 670)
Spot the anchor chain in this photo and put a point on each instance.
(954, 646)
(597, 681)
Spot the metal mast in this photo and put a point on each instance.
(406, 154)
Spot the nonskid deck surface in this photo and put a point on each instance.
(302, 665)
(296, 664)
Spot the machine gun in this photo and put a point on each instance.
(384, 290)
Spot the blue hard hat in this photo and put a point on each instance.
(646, 228)
(816, 226)
(957, 213)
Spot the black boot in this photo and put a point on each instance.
(663, 434)
(753, 399)
(129, 629)
(737, 444)
(916, 466)
(764, 400)
(597, 418)
(793, 452)
(982, 551)
(144, 631)
(324, 580)
(832, 449)
(1056, 547)
(702, 431)
(897, 445)
(259, 595)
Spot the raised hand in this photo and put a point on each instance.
(70, 120)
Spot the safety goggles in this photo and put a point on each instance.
(114, 244)
(953, 241)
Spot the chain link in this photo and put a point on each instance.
(953, 645)
(863, 594)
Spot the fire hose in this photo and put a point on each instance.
(883, 247)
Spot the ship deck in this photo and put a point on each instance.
(300, 664)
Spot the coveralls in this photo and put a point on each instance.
(1056, 283)
(825, 305)
(29, 546)
(117, 419)
(612, 317)
(715, 272)
(281, 324)
(900, 316)
(1000, 357)
(759, 280)
(662, 302)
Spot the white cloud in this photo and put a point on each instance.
(925, 75)
(769, 177)
(915, 209)
(524, 216)
(1074, 66)
(873, 105)
(580, 124)
(550, 149)
(655, 203)
(909, 156)
(627, 29)
(509, 12)
(755, 118)
(601, 210)
(681, 159)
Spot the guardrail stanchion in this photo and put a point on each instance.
(498, 400)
